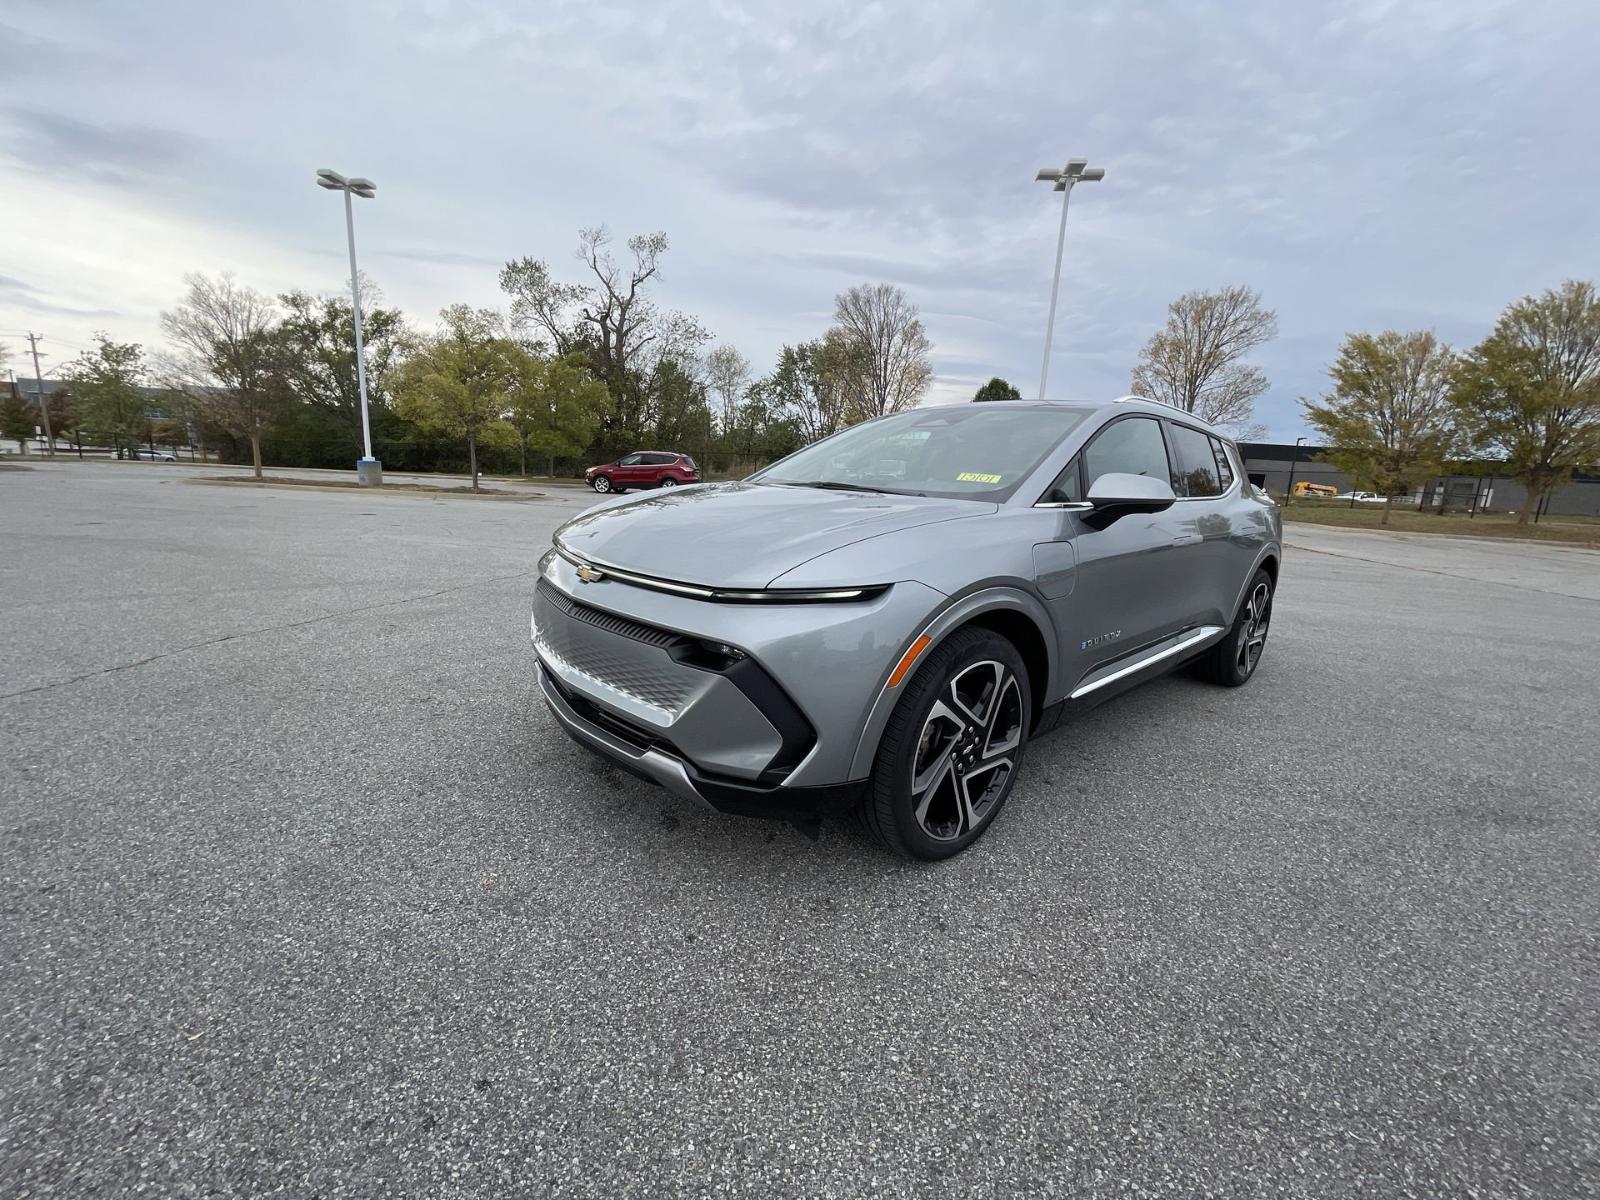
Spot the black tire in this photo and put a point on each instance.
(668, 481)
(601, 484)
(1233, 660)
(930, 724)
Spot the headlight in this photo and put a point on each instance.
(839, 595)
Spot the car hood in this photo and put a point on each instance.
(744, 534)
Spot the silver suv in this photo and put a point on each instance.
(883, 620)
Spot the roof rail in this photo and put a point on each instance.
(1142, 400)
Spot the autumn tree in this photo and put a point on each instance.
(1530, 391)
(554, 405)
(19, 418)
(882, 326)
(231, 360)
(996, 389)
(459, 380)
(1196, 361)
(1388, 419)
(108, 386)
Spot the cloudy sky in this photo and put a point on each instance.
(1365, 165)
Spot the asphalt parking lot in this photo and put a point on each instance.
(304, 894)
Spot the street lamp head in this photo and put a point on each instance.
(1075, 166)
(330, 179)
(1047, 175)
(1093, 175)
(363, 187)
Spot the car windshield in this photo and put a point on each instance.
(963, 452)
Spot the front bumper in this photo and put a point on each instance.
(590, 729)
(755, 709)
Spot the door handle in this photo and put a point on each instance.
(1187, 539)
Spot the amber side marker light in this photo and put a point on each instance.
(911, 656)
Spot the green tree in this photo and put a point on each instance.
(107, 383)
(761, 432)
(555, 405)
(996, 389)
(19, 418)
(320, 363)
(1530, 391)
(1388, 419)
(1195, 362)
(459, 380)
(232, 360)
(817, 386)
(679, 415)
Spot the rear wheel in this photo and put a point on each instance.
(1234, 659)
(601, 484)
(952, 748)
(669, 481)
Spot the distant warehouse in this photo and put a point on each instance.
(1270, 464)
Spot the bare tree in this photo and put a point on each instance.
(230, 359)
(1194, 361)
(728, 375)
(614, 318)
(894, 348)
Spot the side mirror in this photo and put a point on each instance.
(1116, 493)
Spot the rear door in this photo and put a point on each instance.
(657, 466)
(1204, 480)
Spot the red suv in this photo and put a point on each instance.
(642, 469)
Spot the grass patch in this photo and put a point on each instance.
(1581, 531)
(427, 489)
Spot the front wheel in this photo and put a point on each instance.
(952, 748)
(601, 484)
(1233, 660)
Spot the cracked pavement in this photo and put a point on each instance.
(303, 894)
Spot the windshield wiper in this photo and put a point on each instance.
(832, 486)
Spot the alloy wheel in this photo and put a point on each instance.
(602, 484)
(1253, 637)
(966, 751)
(669, 482)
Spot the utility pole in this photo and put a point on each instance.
(38, 381)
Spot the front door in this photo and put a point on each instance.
(1131, 575)
(630, 471)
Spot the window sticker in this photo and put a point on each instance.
(976, 477)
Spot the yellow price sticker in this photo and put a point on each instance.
(976, 477)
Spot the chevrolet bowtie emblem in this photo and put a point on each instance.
(589, 575)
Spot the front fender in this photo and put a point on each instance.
(957, 612)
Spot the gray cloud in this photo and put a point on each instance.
(1364, 166)
(16, 293)
(108, 153)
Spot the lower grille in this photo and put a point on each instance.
(605, 648)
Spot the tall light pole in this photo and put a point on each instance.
(1077, 170)
(369, 470)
